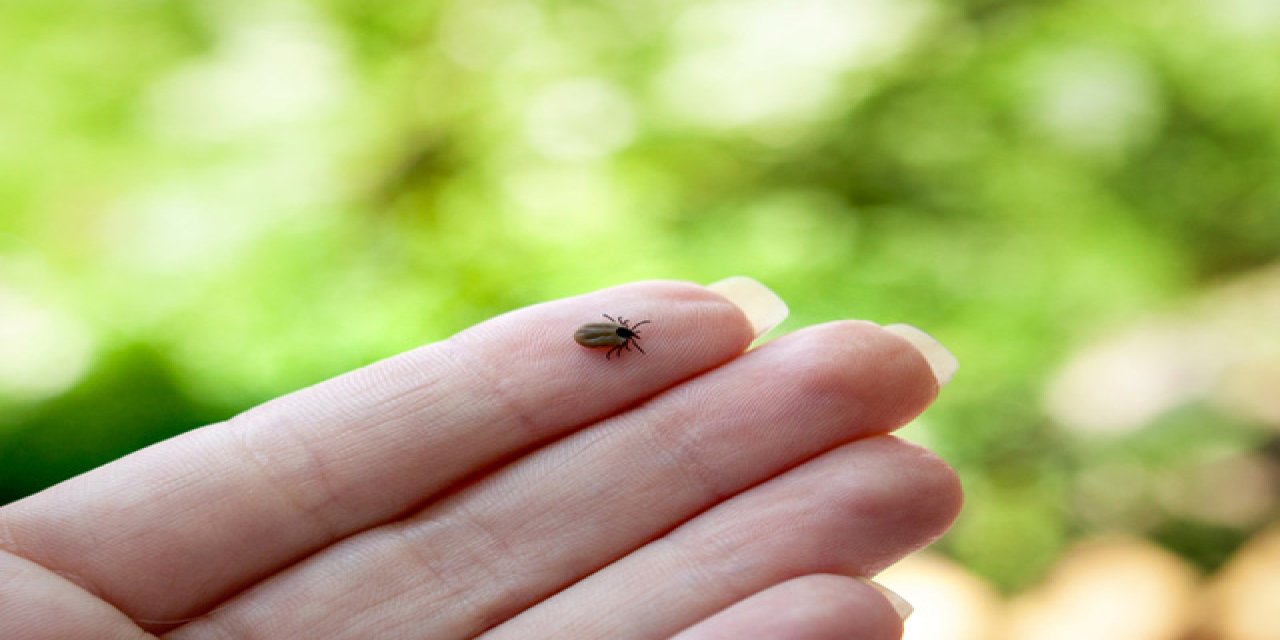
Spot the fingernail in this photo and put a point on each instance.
(900, 605)
(944, 364)
(761, 305)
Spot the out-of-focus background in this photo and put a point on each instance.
(206, 204)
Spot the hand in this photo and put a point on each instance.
(509, 483)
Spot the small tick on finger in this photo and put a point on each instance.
(618, 335)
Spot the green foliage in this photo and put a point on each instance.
(265, 194)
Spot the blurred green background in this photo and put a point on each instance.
(207, 204)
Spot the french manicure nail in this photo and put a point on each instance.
(761, 305)
(943, 363)
(900, 605)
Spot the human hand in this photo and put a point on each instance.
(508, 483)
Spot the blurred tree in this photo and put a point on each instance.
(268, 193)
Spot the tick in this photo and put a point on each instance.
(617, 334)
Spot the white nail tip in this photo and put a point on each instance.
(943, 363)
(761, 305)
(900, 605)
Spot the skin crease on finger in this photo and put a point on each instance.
(37, 604)
(303, 471)
(553, 518)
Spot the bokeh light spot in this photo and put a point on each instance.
(1093, 100)
(580, 119)
(43, 350)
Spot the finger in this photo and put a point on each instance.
(471, 561)
(851, 512)
(815, 607)
(37, 604)
(171, 529)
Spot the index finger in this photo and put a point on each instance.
(171, 530)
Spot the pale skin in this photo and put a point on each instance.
(508, 483)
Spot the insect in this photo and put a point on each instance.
(617, 334)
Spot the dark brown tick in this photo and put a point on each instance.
(618, 335)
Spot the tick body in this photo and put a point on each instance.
(618, 335)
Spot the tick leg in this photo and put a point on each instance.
(637, 325)
(638, 348)
(609, 317)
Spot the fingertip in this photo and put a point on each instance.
(941, 361)
(763, 308)
(899, 604)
